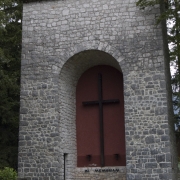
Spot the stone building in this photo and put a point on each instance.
(94, 93)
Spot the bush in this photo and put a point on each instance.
(8, 174)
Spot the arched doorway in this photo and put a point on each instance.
(100, 118)
(70, 74)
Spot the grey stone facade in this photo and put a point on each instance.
(61, 40)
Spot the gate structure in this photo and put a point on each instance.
(119, 50)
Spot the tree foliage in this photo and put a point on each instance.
(172, 17)
(8, 174)
(10, 54)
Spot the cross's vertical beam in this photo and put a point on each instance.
(101, 118)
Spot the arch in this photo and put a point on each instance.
(69, 75)
(95, 45)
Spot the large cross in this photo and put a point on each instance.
(100, 102)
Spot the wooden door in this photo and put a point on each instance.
(89, 140)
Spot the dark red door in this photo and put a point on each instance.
(89, 149)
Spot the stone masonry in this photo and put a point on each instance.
(61, 40)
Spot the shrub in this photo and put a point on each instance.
(8, 174)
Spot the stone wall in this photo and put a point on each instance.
(101, 173)
(61, 40)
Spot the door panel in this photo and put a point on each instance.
(87, 119)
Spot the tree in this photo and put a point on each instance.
(10, 55)
(172, 16)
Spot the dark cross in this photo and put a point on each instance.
(100, 102)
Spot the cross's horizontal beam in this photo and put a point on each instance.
(97, 102)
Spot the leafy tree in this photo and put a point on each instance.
(8, 174)
(172, 16)
(10, 54)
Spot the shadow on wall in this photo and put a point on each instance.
(178, 150)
